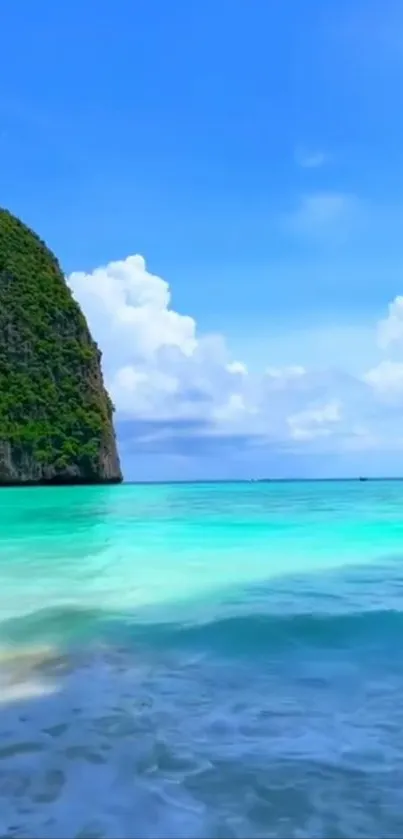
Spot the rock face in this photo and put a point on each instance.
(55, 414)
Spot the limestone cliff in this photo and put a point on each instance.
(55, 414)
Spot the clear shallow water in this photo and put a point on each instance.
(217, 660)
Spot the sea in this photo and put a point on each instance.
(202, 660)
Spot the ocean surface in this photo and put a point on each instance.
(202, 660)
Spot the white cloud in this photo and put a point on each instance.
(126, 303)
(278, 378)
(235, 408)
(155, 363)
(324, 213)
(310, 159)
(314, 422)
(390, 330)
(237, 367)
(159, 369)
(387, 379)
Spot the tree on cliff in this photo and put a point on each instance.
(55, 414)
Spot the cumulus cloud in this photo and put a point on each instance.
(155, 362)
(126, 303)
(169, 382)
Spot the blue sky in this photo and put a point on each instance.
(252, 154)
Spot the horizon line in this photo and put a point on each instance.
(358, 478)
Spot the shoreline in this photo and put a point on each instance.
(59, 482)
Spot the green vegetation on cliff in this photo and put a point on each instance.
(54, 410)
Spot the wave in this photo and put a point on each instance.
(261, 632)
(194, 751)
(237, 633)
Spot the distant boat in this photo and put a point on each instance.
(362, 479)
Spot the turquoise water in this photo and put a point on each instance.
(212, 660)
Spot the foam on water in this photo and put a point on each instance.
(202, 662)
(191, 743)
